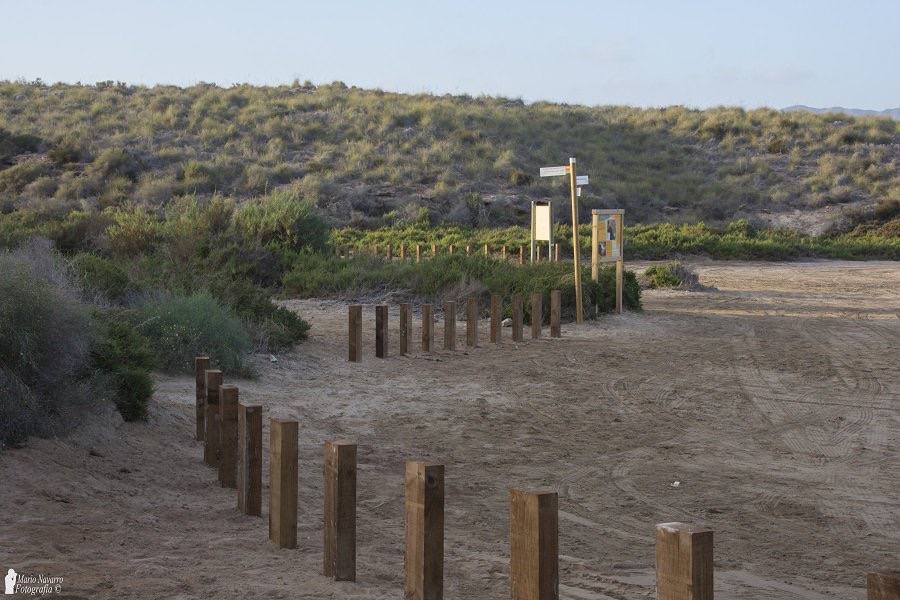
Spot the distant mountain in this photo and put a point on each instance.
(890, 113)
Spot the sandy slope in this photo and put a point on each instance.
(773, 400)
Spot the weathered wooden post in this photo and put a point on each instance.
(487, 250)
(340, 511)
(433, 250)
(201, 364)
(381, 331)
(684, 562)
(555, 309)
(211, 418)
(450, 325)
(533, 545)
(405, 328)
(883, 585)
(503, 251)
(427, 327)
(496, 317)
(468, 250)
(556, 252)
(521, 255)
(424, 558)
(355, 335)
(472, 322)
(249, 472)
(283, 482)
(228, 430)
(537, 253)
(517, 317)
(390, 252)
(418, 253)
(402, 251)
(537, 314)
(450, 249)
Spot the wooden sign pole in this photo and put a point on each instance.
(424, 558)
(576, 251)
(555, 309)
(595, 245)
(496, 317)
(228, 429)
(355, 336)
(517, 317)
(449, 325)
(533, 545)
(427, 327)
(381, 331)
(405, 328)
(340, 511)
(283, 482)
(684, 562)
(201, 364)
(472, 322)
(620, 264)
(211, 418)
(249, 472)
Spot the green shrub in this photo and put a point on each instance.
(182, 327)
(134, 388)
(663, 276)
(282, 220)
(103, 276)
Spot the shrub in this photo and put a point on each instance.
(134, 388)
(103, 276)
(181, 327)
(670, 275)
(282, 220)
(125, 355)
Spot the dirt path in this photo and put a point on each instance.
(772, 399)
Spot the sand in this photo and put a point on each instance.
(772, 399)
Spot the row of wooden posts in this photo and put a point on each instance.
(420, 252)
(472, 318)
(232, 437)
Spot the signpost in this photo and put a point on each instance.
(575, 183)
(541, 226)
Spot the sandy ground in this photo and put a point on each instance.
(773, 400)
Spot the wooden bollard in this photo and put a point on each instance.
(472, 322)
(537, 253)
(487, 251)
(381, 331)
(555, 252)
(355, 335)
(883, 585)
(503, 252)
(228, 432)
(496, 317)
(555, 309)
(537, 314)
(424, 558)
(201, 364)
(211, 418)
(517, 317)
(450, 249)
(468, 250)
(340, 511)
(427, 327)
(402, 251)
(533, 545)
(283, 482)
(390, 252)
(684, 562)
(249, 471)
(449, 325)
(521, 255)
(433, 250)
(405, 328)
(418, 253)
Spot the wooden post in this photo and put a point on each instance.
(555, 309)
(211, 418)
(521, 255)
(283, 482)
(468, 250)
(496, 317)
(405, 328)
(487, 251)
(340, 511)
(576, 250)
(684, 562)
(201, 364)
(517, 317)
(390, 252)
(533, 545)
(427, 327)
(381, 331)
(883, 585)
(595, 245)
(402, 251)
(249, 472)
(228, 429)
(433, 250)
(537, 253)
(537, 314)
(418, 253)
(620, 264)
(355, 337)
(424, 558)
(556, 252)
(449, 325)
(450, 249)
(472, 322)
(503, 252)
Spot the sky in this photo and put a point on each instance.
(643, 53)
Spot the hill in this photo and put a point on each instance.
(373, 158)
(890, 113)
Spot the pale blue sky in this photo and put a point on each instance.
(752, 53)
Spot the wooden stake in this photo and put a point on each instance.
(211, 434)
(424, 558)
(283, 482)
(449, 325)
(521, 255)
(487, 251)
(533, 545)
(381, 331)
(390, 252)
(503, 252)
(201, 364)
(355, 336)
(537, 314)
(496, 317)
(405, 328)
(427, 327)
(340, 511)
(468, 250)
(472, 322)
(883, 585)
(402, 251)
(433, 250)
(418, 253)
(555, 309)
(517, 317)
(450, 249)
(556, 252)
(228, 429)
(684, 562)
(249, 472)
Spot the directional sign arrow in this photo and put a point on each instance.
(554, 171)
